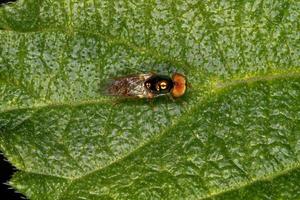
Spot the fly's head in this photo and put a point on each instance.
(179, 85)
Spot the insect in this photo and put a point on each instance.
(149, 86)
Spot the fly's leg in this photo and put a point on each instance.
(171, 98)
(150, 99)
(176, 100)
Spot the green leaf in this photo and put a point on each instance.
(234, 135)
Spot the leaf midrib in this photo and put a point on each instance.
(213, 86)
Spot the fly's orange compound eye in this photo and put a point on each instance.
(179, 88)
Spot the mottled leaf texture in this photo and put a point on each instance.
(234, 135)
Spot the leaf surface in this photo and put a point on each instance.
(236, 134)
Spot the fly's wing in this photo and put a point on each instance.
(130, 86)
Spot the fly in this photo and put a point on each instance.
(149, 86)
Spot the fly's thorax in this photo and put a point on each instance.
(159, 84)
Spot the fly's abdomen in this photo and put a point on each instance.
(127, 87)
